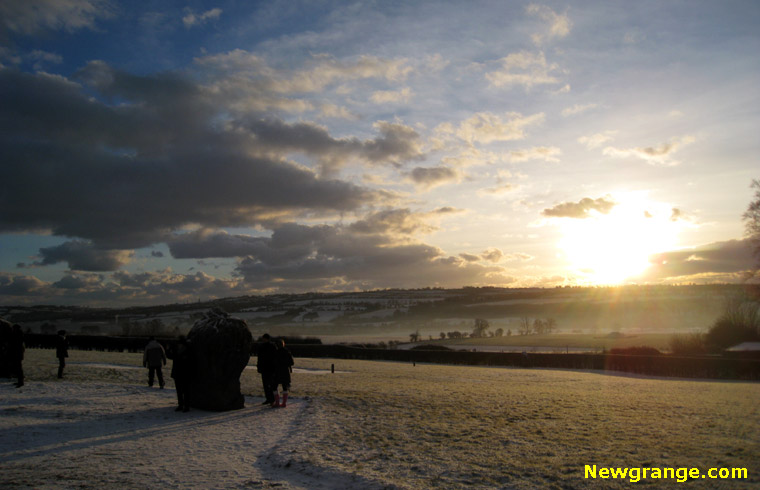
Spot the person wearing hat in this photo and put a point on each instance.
(283, 366)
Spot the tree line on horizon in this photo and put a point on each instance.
(481, 329)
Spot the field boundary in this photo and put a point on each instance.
(709, 367)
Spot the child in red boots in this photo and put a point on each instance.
(283, 362)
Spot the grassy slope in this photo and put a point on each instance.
(469, 427)
(428, 426)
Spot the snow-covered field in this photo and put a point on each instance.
(370, 425)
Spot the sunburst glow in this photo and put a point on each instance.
(610, 248)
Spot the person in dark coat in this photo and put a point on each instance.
(16, 353)
(283, 366)
(154, 358)
(182, 372)
(265, 365)
(6, 332)
(61, 351)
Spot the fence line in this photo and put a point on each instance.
(713, 367)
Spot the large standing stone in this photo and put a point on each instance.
(220, 347)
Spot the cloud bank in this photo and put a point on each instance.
(581, 209)
(727, 261)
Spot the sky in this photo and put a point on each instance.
(162, 151)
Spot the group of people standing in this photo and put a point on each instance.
(17, 347)
(275, 363)
(14, 347)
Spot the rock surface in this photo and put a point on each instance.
(220, 347)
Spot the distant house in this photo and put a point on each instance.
(745, 349)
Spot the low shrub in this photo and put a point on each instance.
(692, 344)
(430, 347)
(635, 351)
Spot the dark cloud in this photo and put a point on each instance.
(31, 17)
(580, 209)
(157, 287)
(208, 243)
(447, 210)
(716, 261)
(166, 283)
(15, 285)
(366, 264)
(369, 254)
(396, 144)
(288, 242)
(495, 255)
(392, 221)
(125, 174)
(79, 281)
(492, 255)
(115, 161)
(83, 256)
(292, 241)
(428, 177)
(374, 252)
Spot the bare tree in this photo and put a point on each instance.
(550, 324)
(525, 326)
(480, 328)
(751, 219)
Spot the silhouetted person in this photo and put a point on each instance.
(265, 364)
(182, 372)
(6, 332)
(154, 358)
(283, 365)
(61, 351)
(16, 353)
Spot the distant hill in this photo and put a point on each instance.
(431, 311)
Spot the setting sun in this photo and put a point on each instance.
(608, 248)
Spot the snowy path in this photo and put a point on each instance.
(65, 435)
